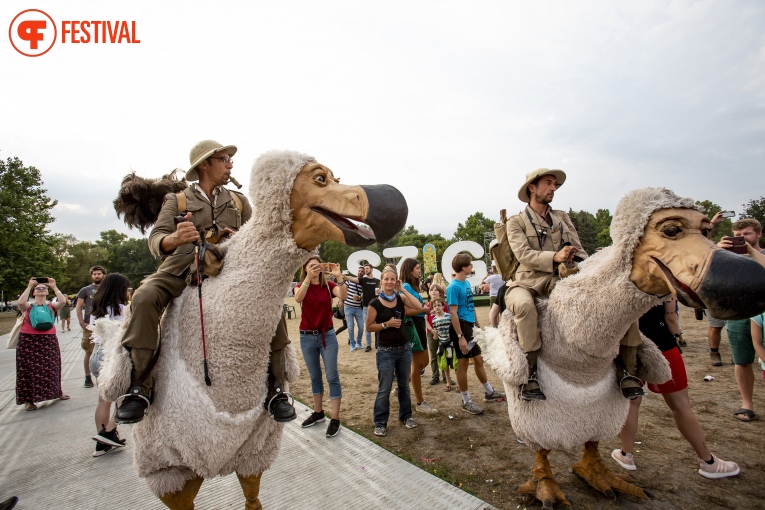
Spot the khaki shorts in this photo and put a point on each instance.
(85, 343)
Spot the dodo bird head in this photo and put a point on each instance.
(664, 239)
(318, 208)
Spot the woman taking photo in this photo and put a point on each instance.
(109, 301)
(394, 350)
(410, 276)
(317, 336)
(38, 357)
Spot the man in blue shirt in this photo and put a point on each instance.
(459, 297)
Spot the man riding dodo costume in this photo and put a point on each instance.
(219, 212)
(547, 247)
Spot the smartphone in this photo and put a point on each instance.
(699, 313)
(739, 244)
(326, 267)
(397, 314)
(727, 214)
(471, 344)
(41, 279)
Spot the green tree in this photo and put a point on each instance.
(585, 225)
(26, 246)
(82, 255)
(333, 251)
(474, 228)
(133, 259)
(603, 220)
(721, 229)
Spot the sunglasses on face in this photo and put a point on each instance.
(41, 287)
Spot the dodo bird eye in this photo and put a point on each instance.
(671, 232)
(320, 179)
(705, 232)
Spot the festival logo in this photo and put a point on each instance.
(429, 259)
(32, 33)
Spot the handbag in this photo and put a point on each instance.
(414, 338)
(13, 337)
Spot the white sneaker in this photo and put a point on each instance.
(426, 408)
(410, 423)
(718, 469)
(626, 460)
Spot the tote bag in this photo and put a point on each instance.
(13, 338)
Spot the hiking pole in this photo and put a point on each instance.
(201, 311)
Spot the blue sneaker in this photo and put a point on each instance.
(359, 346)
(353, 347)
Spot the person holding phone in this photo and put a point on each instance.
(394, 350)
(38, 357)
(317, 336)
(739, 332)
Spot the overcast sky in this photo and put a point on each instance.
(451, 102)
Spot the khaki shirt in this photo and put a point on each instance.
(202, 212)
(537, 268)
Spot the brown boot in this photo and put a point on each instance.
(251, 489)
(626, 366)
(531, 390)
(184, 498)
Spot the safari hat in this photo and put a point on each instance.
(203, 150)
(560, 178)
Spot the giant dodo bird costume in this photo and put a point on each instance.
(659, 249)
(193, 431)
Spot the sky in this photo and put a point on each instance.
(451, 102)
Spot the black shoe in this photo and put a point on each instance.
(434, 380)
(109, 438)
(422, 372)
(630, 386)
(9, 503)
(531, 390)
(102, 449)
(334, 428)
(132, 409)
(368, 349)
(281, 410)
(88, 382)
(313, 419)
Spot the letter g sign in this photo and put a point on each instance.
(32, 33)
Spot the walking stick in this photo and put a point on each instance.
(200, 268)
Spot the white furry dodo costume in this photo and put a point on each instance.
(197, 430)
(581, 325)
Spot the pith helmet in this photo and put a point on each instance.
(560, 178)
(202, 151)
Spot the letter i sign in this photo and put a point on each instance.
(32, 33)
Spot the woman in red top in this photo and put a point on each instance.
(38, 357)
(317, 336)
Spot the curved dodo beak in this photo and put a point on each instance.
(323, 209)
(675, 257)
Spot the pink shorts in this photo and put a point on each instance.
(679, 380)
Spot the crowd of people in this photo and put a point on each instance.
(388, 315)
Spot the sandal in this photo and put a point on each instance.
(744, 415)
(448, 387)
(64, 397)
(30, 407)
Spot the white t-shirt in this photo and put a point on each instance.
(115, 317)
(495, 281)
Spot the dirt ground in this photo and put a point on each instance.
(480, 453)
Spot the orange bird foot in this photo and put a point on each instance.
(593, 470)
(542, 485)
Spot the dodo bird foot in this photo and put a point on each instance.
(542, 485)
(593, 470)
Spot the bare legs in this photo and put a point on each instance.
(318, 406)
(104, 415)
(685, 420)
(420, 360)
(745, 382)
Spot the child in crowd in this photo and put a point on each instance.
(445, 352)
(109, 301)
(459, 297)
(435, 291)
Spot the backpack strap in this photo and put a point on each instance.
(181, 197)
(237, 203)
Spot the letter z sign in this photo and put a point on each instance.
(32, 33)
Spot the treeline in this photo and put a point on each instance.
(28, 248)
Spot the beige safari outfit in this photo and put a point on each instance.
(155, 293)
(537, 271)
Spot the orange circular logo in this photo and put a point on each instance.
(32, 33)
